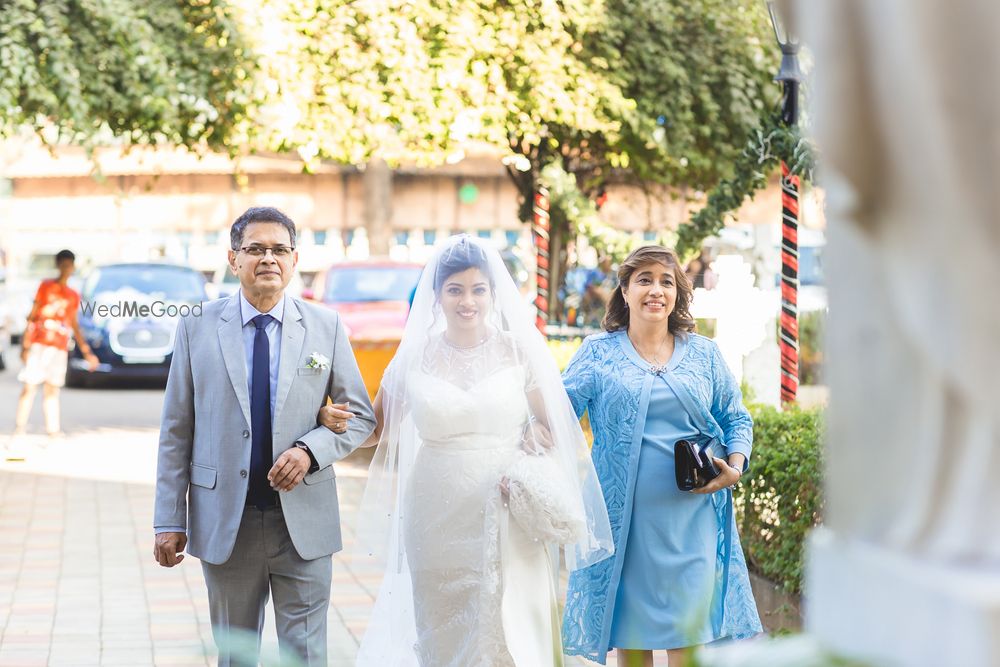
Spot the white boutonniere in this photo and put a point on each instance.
(317, 360)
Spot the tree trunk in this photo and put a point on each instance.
(557, 262)
(378, 206)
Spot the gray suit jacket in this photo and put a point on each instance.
(203, 463)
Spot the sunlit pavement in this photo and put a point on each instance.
(78, 584)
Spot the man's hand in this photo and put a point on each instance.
(289, 469)
(167, 548)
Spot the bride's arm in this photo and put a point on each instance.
(335, 415)
(379, 421)
(537, 436)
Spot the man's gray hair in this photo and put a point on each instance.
(259, 214)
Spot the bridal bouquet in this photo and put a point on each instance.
(543, 502)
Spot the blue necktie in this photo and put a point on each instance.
(261, 495)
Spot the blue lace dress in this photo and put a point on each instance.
(679, 577)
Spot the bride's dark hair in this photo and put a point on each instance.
(461, 256)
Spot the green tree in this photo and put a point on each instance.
(613, 90)
(398, 81)
(700, 76)
(698, 79)
(643, 91)
(88, 71)
(408, 81)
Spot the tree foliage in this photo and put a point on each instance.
(159, 71)
(411, 81)
(699, 76)
(763, 152)
(654, 90)
(696, 78)
(643, 91)
(666, 91)
(662, 91)
(571, 210)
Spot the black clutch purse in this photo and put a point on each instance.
(693, 465)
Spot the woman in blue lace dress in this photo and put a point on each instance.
(679, 578)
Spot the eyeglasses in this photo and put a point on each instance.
(261, 250)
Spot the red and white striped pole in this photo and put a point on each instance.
(540, 233)
(789, 342)
(790, 76)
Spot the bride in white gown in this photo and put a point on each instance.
(480, 475)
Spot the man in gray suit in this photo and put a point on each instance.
(244, 475)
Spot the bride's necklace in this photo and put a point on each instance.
(455, 346)
(656, 367)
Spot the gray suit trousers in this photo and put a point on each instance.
(265, 561)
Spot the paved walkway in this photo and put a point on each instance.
(78, 584)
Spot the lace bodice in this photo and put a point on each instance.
(472, 397)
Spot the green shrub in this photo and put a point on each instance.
(811, 347)
(781, 498)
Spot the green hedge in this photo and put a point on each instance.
(781, 499)
(811, 347)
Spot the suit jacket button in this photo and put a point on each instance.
(243, 473)
(246, 434)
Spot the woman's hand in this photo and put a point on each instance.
(729, 476)
(505, 488)
(335, 417)
(536, 438)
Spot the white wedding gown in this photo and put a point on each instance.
(469, 571)
(483, 591)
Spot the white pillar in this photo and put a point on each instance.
(907, 569)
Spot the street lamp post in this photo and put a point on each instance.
(790, 76)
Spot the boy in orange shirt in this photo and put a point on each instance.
(45, 345)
